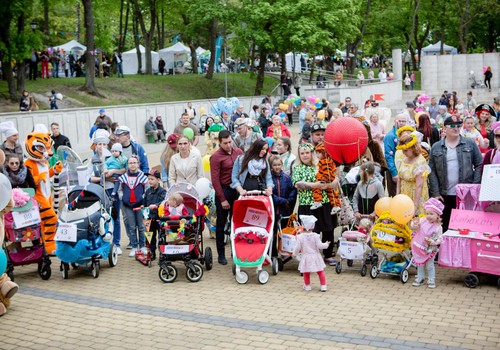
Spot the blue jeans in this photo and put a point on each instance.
(431, 271)
(115, 214)
(120, 69)
(135, 227)
(55, 73)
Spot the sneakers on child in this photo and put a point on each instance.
(307, 288)
(107, 237)
(132, 252)
(129, 246)
(335, 210)
(323, 288)
(431, 284)
(316, 205)
(144, 251)
(417, 283)
(119, 251)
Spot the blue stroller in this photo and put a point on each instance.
(85, 230)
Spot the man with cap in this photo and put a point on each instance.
(132, 148)
(317, 134)
(390, 143)
(153, 197)
(221, 168)
(102, 118)
(186, 123)
(245, 136)
(152, 129)
(10, 146)
(453, 160)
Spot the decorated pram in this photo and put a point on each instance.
(85, 230)
(391, 237)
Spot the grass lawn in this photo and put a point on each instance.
(135, 89)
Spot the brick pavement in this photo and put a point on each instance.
(129, 307)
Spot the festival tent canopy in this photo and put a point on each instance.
(175, 55)
(72, 45)
(200, 50)
(436, 49)
(289, 58)
(130, 63)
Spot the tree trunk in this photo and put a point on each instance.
(5, 24)
(311, 67)
(135, 31)
(259, 86)
(213, 39)
(147, 34)
(45, 24)
(283, 63)
(9, 77)
(21, 63)
(89, 54)
(77, 25)
(194, 58)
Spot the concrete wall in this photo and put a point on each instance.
(76, 123)
(451, 72)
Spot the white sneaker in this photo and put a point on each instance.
(431, 284)
(335, 210)
(107, 237)
(132, 252)
(316, 205)
(144, 251)
(323, 288)
(417, 283)
(307, 288)
(119, 251)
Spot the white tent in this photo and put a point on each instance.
(289, 58)
(436, 49)
(175, 55)
(200, 50)
(130, 63)
(74, 46)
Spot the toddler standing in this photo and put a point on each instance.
(326, 174)
(427, 236)
(309, 245)
(153, 197)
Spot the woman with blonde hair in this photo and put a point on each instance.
(185, 166)
(166, 155)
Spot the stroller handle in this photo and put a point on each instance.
(254, 193)
(175, 217)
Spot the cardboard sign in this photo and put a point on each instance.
(26, 218)
(66, 232)
(478, 221)
(351, 250)
(490, 183)
(256, 217)
(288, 242)
(175, 249)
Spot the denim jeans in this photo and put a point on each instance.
(120, 69)
(135, 227)
(115, 214)
(431, 271)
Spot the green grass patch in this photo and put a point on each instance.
(136, 89)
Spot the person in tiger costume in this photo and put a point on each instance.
(325, 174)
(39, 150)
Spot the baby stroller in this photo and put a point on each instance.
(287, 238)
(353, 246)
(475, 83)
(251, 236)
(390, 236)
(23, 242)
(181, 237)
(85, 230)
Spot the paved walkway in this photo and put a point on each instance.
(128, 307)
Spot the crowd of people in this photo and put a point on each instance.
(428, 151)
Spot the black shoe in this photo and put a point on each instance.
(222, 260)
(153, 256)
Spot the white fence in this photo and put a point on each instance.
(76, 123)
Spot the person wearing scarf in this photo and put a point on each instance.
(18, 174)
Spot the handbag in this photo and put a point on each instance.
(346, 213)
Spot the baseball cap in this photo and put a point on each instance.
(172, 140)
(317, 127)
(102, 110)
(155, 173)
(453, 120)
(122, 129)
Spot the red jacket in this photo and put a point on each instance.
(284, 131)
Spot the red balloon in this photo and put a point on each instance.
(346, 140)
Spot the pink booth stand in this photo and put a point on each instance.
(472, 241)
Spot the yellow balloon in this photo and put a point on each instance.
(402, 209)
(202, 110)
(382, 205)
(206, 162)
(283, 107)
(321, 114)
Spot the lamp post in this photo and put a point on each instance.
(33, 25)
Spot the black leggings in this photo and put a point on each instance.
(487, 82)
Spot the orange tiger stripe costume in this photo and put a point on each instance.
(39, 150)
(326, 174)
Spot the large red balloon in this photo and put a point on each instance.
(346, 140)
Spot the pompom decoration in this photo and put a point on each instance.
(20, 197)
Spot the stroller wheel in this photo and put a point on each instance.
(275, 266)
(167, 273)
(113, 256)
(263, 276)
(471, 280)
(363, 270)
(349, 263)
(374, 271)
(44, 271)
(338, 267)
(242, 277)
(233, 269)
(194, 271)
(281, 265)
(209, 260)
(95, 267)
(65, 270)
(405, 275)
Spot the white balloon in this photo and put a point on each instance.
(203, 187)
(59, 96)
(5, 190)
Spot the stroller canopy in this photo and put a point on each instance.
(90, 189)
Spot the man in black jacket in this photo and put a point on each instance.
(59, 139)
